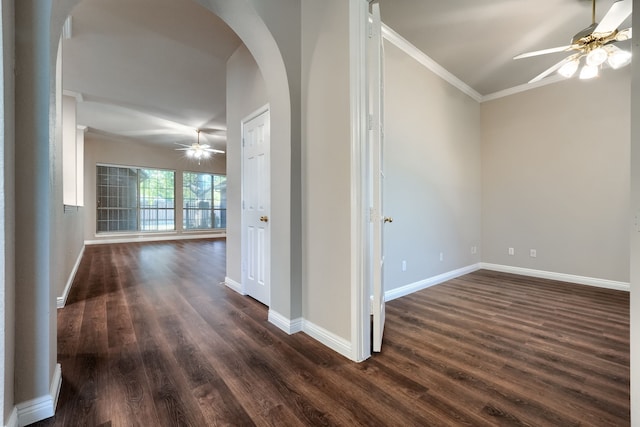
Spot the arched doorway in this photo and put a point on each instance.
(36, 50)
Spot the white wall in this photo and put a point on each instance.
(555, 166)
(634, 229)
(432, 173)
(246, 92)
(100, 149)
(326, 166)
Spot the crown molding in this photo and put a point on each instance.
(402, 43)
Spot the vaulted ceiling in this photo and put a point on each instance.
(154, 70)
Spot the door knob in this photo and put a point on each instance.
(388, 219)
(264, 218)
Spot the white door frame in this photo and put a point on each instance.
(243, 222)
(360, 235)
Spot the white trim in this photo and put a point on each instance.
(581, 280)
(425, 60)
(431, 281)
(234, 286)
(400, 42)
(334, 342)
(43, 407)
(284, 323)
(360, 336)
(67, 28)
(62, 300)
(13, 418)
(522, 88)
(255, 113)
(137, 238)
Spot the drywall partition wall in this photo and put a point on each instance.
(432, 174)
(326, 166)
(67, 242)
(555, 164)
(35, 59)
(7, 214)
(282, 17)
(246, 92)
(271, 32)
(101, 149)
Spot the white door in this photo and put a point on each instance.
(256, 206)
(376, 174)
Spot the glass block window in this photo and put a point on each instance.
(134, 199)
(204, 201)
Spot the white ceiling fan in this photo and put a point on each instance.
(596, 44)
(199, 151)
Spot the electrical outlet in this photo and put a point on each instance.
(404, 265)
(532, 253)
(441, 256)
(474, 250)
(512, 251)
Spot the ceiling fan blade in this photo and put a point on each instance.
(543, 52)
(213, 150)
(615, 16)
(213, 131)
(553, 68)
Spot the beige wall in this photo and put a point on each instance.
(246, 92)
(555, 166)
(7, 215)
(432, 173)
(326, 166)
(99, 149)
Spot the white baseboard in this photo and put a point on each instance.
(62, 300)
(285, 324)
(581, 280)
(334, 342)
(426, 283)
(43, 407)
(13, 418)
(233, 285)
(137, 238)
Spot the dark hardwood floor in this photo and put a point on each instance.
(149, 337)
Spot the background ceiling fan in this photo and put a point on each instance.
(200, 151)
(596, 44)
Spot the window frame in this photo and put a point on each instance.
(138, 208)
(213, 210)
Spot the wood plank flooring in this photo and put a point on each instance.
(149, 337)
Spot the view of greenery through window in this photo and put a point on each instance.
(157, 200)
(204, 201)
(136, 199)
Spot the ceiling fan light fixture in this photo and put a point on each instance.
(619, 58)
(623, 35)
(597, 56)
(569, 69)
(588, 72)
